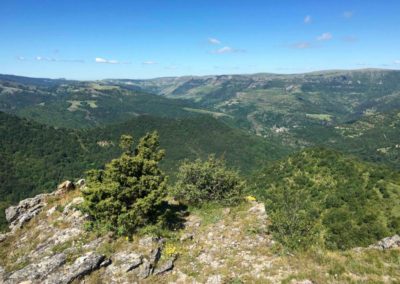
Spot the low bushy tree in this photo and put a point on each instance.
(126, 195)
(208, 181)
(294, 215)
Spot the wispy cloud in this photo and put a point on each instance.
(149, 62)
(52, 59)
(397, 62)
(42, 58)
(227, 49)
(21, 58)
(325, 36)
(307, 19)
(301, 45)
(347, 14)
(107, 61)
(212, 40)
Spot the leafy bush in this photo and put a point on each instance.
(199, 182)
(294, 216)
(127, 194)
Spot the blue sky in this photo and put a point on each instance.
(96, 39)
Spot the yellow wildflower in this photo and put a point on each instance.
(170, 250)
(250, 198)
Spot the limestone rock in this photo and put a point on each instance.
(51, 211)
(82, 266)
(388, 243)
(155, 256)
(258, 208)
(65, 187)
(38, 271)
(125, 262)
(145, 270)
(167, 266)
(26, 209)
(148, 241)
(70, 206)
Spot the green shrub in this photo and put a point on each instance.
(199, 182)
(128, 193)
(294, 216)
(320, 197)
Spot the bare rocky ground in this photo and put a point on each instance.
(47, 243)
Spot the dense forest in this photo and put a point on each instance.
(37, 157)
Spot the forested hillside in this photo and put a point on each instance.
(320, 197)
(36, 157)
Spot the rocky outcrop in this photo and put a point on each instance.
(65, 187)
(18, 215)
(82, 266)
(125, 262)
(139, 266)
(39, 271)
(167, 266)
(28, 208)
(387, 243)
(53, 270)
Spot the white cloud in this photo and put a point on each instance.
(51, 59)
(43, 58)
(21, 58)
(107, 61)
(307, 19)
(347, 14)
(301, 45)
(226, 49)
(212, 40)
(397, 61)
(149, 62)
(325, 36)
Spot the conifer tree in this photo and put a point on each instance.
(127, 193)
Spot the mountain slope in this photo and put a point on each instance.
(75, 104)
(36, 157)
(281, 105)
